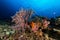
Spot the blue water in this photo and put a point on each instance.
(46, 8)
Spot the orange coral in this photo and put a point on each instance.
(32, 24)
